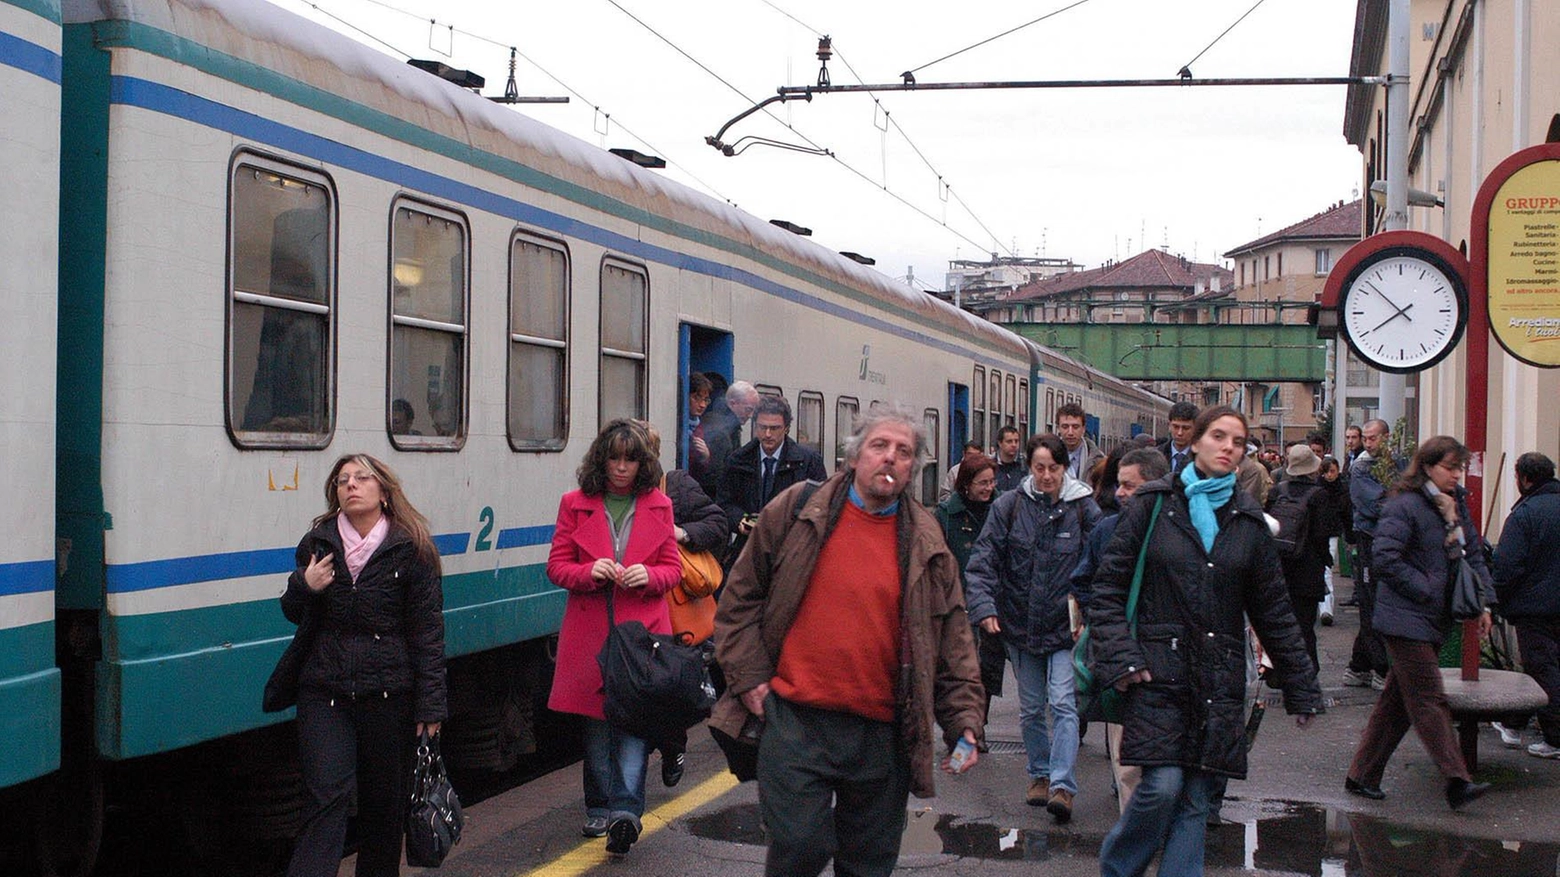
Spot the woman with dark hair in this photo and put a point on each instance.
(962, 515)
(1209, 563)
(1103, 478)
(614, 535)
(367, 599)
(1018, 580)
(1423, 529)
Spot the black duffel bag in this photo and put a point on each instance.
(434, 819)
(654, 685)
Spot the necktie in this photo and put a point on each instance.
(769, 478)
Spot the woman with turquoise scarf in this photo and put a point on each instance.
(1175, 645)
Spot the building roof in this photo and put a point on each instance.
(1338, 221)
(1150, 269)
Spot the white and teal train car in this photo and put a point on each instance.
(285, 247)
(30, 67)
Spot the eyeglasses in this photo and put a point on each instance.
(360, 478)
(984, 482)
(1453, 467)
(777, 427)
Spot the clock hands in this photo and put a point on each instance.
(1397, 311)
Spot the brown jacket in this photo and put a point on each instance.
(941, 679)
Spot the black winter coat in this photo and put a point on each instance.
(742, 484)
(696, 513)
(1191, 633)
(1023, 560)
(382, 634)
(1410, 564)
(1527, 566)
(961, 524)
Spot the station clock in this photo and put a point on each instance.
(1403, 308)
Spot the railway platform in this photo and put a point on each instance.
(1291, 816)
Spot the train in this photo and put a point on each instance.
(249, 245)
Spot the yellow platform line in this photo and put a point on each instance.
(593, 852)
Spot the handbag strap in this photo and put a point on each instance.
(1137, 574)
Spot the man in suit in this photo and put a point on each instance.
(1177, 446)
(722, 431)
(762, 468)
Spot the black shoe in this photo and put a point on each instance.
(621, 835)
(1460, 792)
(1355, 787)
(671, 769)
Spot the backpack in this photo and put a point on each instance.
(1293, 513)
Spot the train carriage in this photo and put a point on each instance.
(29, 162)
(285, 247)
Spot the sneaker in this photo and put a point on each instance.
(1326, 619)
(671, 769)
(1039, 792)
(1060, 806)
(621, 836)
(1542, 749)
(1510, 738)
(1357, 678)
(1377, 681)
(595, 826)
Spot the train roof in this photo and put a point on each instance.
(273, 38)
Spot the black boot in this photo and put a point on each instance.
(1460, 792)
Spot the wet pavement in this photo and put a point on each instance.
(1290, 817)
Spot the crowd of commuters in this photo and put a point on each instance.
(854, 624)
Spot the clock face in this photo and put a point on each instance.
(1402, 310)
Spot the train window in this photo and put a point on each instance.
(1050, 408)
(538, 345)
(769, 390)
(1012, 400)
(978, 407)
(428, 283)
(625, 293)
(281, 284)
(845, 411)
(809, 420)
(994, 405)
(931, 473)
(1023, 409)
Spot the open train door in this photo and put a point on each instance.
(958, 420)
(706, 350)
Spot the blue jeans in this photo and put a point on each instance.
(1047, 680)
(1169, 809)
(614, 772)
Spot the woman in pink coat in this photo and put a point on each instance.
(615, 532)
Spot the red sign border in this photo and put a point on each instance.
(1479, 233)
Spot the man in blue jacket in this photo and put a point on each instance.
(1527, 581)
(1367, 488)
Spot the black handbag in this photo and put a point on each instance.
(654, 685)
(1466, 600)
(434, 819)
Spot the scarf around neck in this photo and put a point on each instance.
(1203, 495)
(359, 549)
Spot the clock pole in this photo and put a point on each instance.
(1394, 387)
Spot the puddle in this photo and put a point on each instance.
(1284, 837)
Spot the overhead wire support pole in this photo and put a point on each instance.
(806, 92)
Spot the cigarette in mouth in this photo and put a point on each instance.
(889, 478)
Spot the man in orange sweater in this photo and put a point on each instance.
(842, 628)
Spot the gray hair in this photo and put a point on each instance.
(897, 414)
(1151, 464)
(1378, 424)
(741, 390)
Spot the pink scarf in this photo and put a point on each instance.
(360, 548)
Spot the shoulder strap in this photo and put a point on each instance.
(808, 489)
(1137, 574)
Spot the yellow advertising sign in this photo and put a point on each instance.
(1523, 267)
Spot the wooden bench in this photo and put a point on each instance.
(1496, 695)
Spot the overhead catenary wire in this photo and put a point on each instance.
(811, 142)
(1187, 67)
(999, 36)
(490, 41)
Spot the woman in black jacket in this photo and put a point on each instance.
(1211, 563)
(1423, 528)
(367, 597)
(962, 515)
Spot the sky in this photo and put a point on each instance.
(1088, 175)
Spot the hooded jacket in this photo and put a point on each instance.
(940, 680)
(1021, 566)
(1191, 633)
